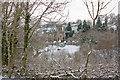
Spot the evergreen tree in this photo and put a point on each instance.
(106, 21)
(68, 28)
(105, 24)
(103, 28)
(69, 32)
(84, 26)
(88, 27)
(79, 27)
(67, 35)
(98, 24)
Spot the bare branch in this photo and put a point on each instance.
(32, 5)
(105, 5)
(10, 9)
(109, 11)
(98, 9)
(85, 2)
(37, 23)
(35, 8)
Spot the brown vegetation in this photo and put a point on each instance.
(108, 41)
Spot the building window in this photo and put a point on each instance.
(60, 35)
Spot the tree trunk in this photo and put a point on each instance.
(9, 56)
(12, 53)
(4, 48)
(4, 42)
(26, 37)
(90, 46)
(118, 28)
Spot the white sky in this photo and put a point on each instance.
(77, 10)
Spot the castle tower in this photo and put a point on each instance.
(60, 33)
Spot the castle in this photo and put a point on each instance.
(57, 35)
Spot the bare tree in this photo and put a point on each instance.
(13, 13)
(96, 8)
(5, 40)
(46, 9)
(10, 24)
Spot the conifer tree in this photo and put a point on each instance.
(84, 26)
(98, 24)
(69, 32)
(79, 27)
(68, 28)
(106, 21)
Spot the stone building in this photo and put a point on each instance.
(57, 35)
(60, 33)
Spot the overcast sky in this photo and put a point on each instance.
(77, 10)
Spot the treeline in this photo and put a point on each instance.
(16, 21)
(85, 26)
(99, 25)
